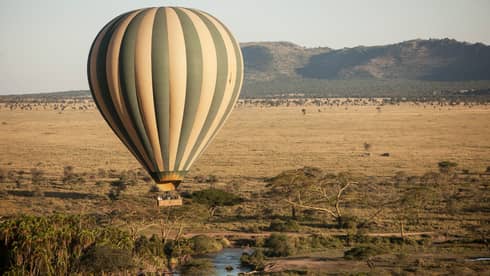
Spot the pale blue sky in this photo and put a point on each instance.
(44, 44)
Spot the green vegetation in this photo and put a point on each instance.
(99, 259)
(406, 208)
(284, 226)
(63, 245)
(199, 267)
(279, 245)
(257, 58)
(214, 198)
(362, 252)
(202, 244)
(56, 244)
(447, 166)
(410, 89)
(256, 260)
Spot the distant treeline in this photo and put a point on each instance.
(364, 88)
(316, 88)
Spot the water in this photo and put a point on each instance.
(229, 257)
(224, 258)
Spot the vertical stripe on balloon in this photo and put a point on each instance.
(112, 71)
(161, 88)
(104, 105)
(228, 90)
(128, 83)
(177, 82)
(219, 89)
(209, 71)
(143, 83)
(194, 80)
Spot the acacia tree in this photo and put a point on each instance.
(326, 195)
(310, 188)
(215, 198)
(293, 185)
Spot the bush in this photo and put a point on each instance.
(37, 176)
(128, 177)
(362, 252)
(198, 267)
(3, 175)
(149, 247)
(279, 245)
(213, 198)
(101, 173)
(284, 226)
(70, 177)
(113, 194)
(177, 249)
(154, 189)
(446, 166)
(255, 261)
(348, 222)
(322, 241)
(202, 244)
(100, 259)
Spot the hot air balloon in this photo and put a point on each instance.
(165, 80)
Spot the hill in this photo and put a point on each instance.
(415, 68)
(433, 60)
(276, 60)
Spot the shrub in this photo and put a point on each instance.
(214, 198)
(284, 226)
(128, 177)
(37, 176)
(279, 245)
(367, 146)
(176, 249)
(348, 222)
(153, 189)
(322, 241)
(362, 252)
(3, 175)
(113, 194)
(447, 166)
(202, 244)
(101, 173)
(198, 267)
(256, 260)
(206, 179)
(100, 259)
(70, 177)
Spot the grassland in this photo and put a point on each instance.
(258, 142)
(262, 142)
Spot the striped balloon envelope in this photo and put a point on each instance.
(165, 80)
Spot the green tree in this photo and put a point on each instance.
(215, 198)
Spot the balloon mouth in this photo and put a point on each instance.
(168, 181)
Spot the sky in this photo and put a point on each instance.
(44, 44)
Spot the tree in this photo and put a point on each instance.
(294, 185)
(409, 205)
(447, 166)
(37, 176)
(367, 146)
(117, 187)
(214, 198)
(324, 194)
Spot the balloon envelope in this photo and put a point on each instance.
(165, 80)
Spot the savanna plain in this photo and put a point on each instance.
(307, 186)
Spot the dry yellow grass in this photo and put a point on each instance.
(261, 142)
